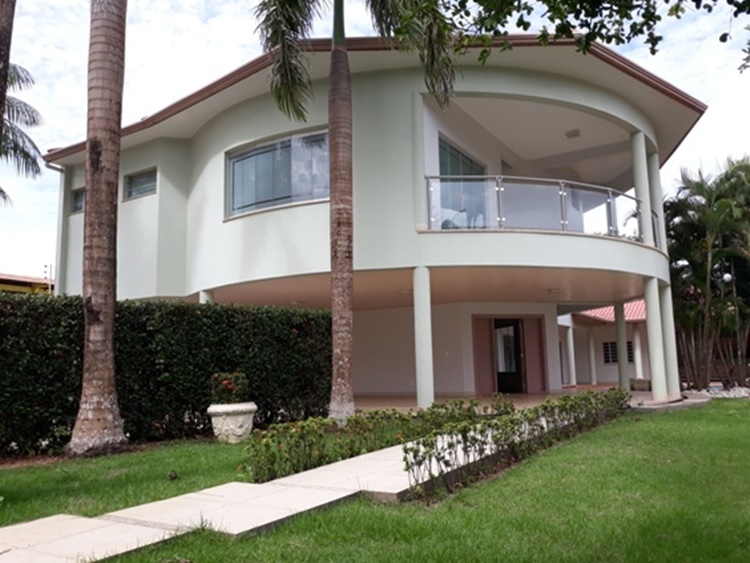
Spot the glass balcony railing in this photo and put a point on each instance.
(509, 202)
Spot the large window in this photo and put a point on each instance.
(463, 199)
(287, 171)
(455, 163)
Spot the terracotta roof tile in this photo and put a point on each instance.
(635, 311)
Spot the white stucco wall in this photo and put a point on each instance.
(150, 230)
(178, 242)
(605, 373)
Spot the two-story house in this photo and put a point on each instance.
(536, 194)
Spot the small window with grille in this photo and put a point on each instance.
(609, 350)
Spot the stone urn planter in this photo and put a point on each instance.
(233, 422)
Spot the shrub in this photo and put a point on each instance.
(165, 355)
(285, 449)
(462, 449)
(228, 388)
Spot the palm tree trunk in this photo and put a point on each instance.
(99, 426)
(7, 17)
(341, 213)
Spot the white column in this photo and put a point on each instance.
(657, 203)
(640, 183)
(61, 254)
(674, 391)
(637, 351)
(571, 352)
(206, 296)
(592, 357)
(423, 337)
(655, 341)
(622, 347)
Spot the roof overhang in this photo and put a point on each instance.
(672, 111)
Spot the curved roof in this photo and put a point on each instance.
(672, 111)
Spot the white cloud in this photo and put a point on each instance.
(175, 47)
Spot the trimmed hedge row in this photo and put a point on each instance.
(165, 355)
(463, 450)
(285, 449)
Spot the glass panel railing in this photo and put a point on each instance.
(626, 217)
(530, 204)
(586, 210)
(462, 203)
(508, 202)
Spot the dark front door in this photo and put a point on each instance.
(508, 356)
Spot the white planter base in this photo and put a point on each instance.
(232, 423)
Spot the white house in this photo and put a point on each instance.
(474, 228)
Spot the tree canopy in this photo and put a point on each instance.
(586, 21)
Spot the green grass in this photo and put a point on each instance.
(93, 486)
(661, 487)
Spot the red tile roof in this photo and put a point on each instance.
(635, 311)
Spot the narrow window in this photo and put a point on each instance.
(77, 200)
(139, 185)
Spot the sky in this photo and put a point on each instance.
(175, 47)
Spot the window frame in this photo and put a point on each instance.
(462, 152)
(610, 356)
(72, 210)
(245, 151)
(126, 184)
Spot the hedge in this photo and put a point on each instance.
(165, 353)
(463, 450)
(293, 447)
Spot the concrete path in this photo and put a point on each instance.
(233, 508)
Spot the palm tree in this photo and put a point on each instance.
(7, 17)
(284, 26)
(16, 147)
(708, 223)
(99, 426)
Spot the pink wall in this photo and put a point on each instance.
(534, 361)
(484, 363)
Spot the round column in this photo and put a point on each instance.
(423, 337)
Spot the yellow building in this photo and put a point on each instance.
(25, 284)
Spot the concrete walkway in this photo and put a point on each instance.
(233, 508)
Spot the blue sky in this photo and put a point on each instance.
(175, 47)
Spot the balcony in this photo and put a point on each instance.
(520, 203)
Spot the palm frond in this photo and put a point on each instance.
(387, 15)
(19, 112)
(424, 28)
(19, 78)
(4, 197)
(284, 25)
(19, 150)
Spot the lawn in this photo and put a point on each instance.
(93, 486)
(658, 487)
